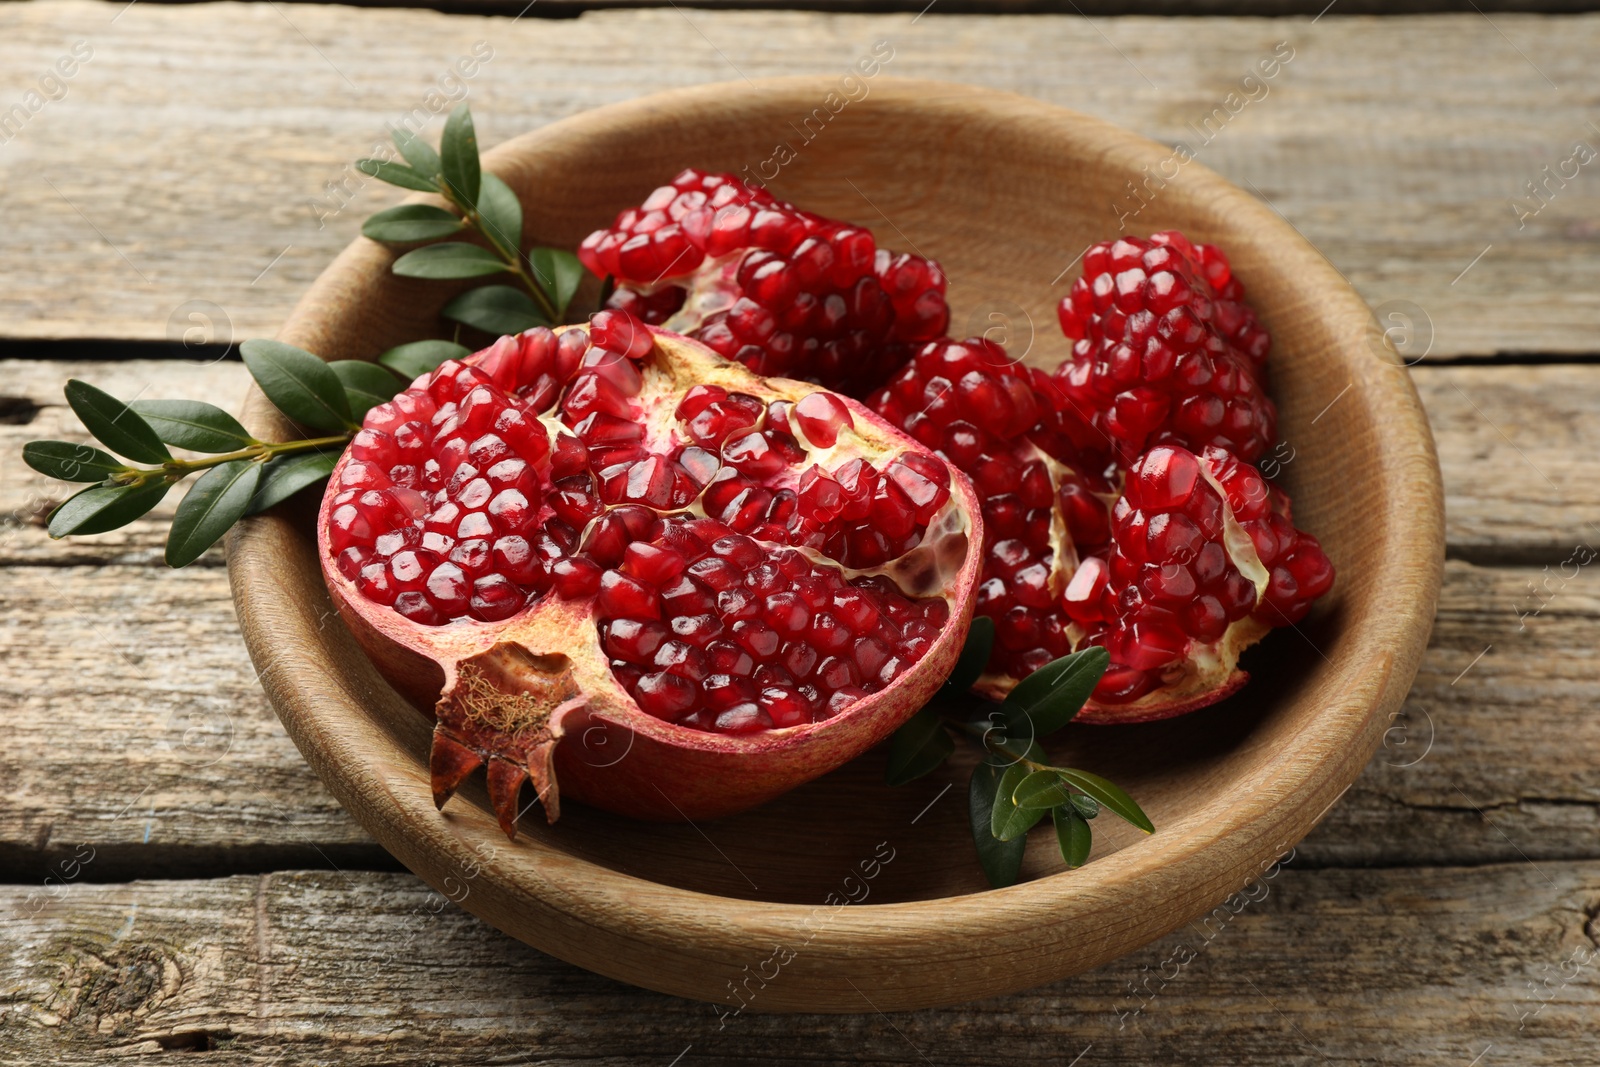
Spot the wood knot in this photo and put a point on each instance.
(108, 993)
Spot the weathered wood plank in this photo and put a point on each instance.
(1401, 163)
(1519, 447)
(136, 724)
(1236, 8)
(1313, 967)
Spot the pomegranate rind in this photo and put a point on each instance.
(1199, 687)
(581, 734)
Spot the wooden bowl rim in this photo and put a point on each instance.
(566, 898)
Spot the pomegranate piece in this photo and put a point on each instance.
(1165, 349)
(617, 536)
(1174, 563)
(1203, 562)
(1033, 465)
(783, 291)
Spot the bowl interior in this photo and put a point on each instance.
(1006, 194)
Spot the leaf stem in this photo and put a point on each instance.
(260, 451)
(981, 733)
(507, 252)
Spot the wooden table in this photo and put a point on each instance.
(175, 878)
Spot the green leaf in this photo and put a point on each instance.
(365, 384)
(423, 159)
(70, 462)
(1053, 694)
(1073, 835)
(117, 425)
(501, 211)
(396, 174)
(105, 507)
(974, 655)
(287, 475)
(608, 285)
(453, 259)
(495, 309)
(1041, 791)
(1006, 819)
(559, 273)
(918, 747)
(1109, 796)
(409, 223)
(196, 426)
(412, 361)
(298, 383)
(217, 501)
(1085, 805)
(458, 152)
(1001, 860)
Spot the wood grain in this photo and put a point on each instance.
(1399, 161)
(1168, 8)
(1314, 967)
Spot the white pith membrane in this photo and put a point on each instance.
(712, 287)
(1206, 666)
(510, 686)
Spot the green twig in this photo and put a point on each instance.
(262, 451)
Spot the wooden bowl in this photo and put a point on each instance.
(847, 895)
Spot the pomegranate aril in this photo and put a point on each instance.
(417, 607)
(620, 333)
(697, 628)
(684, 659)
(621, 595)
(687, 597)
(652, 563)
(725, 657)
(784, 706)
(743, 718)
(1164, 478)
(496, 597)
(633, 640)
(841, 699)
(665, 695)
(575, 578)
(515, 558)
(820, 417)
(374, 584)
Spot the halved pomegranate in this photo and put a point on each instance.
(610, 557)
(781, 290)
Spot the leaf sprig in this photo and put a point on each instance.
(483, 205)
(240, 475)
(1014, 786)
